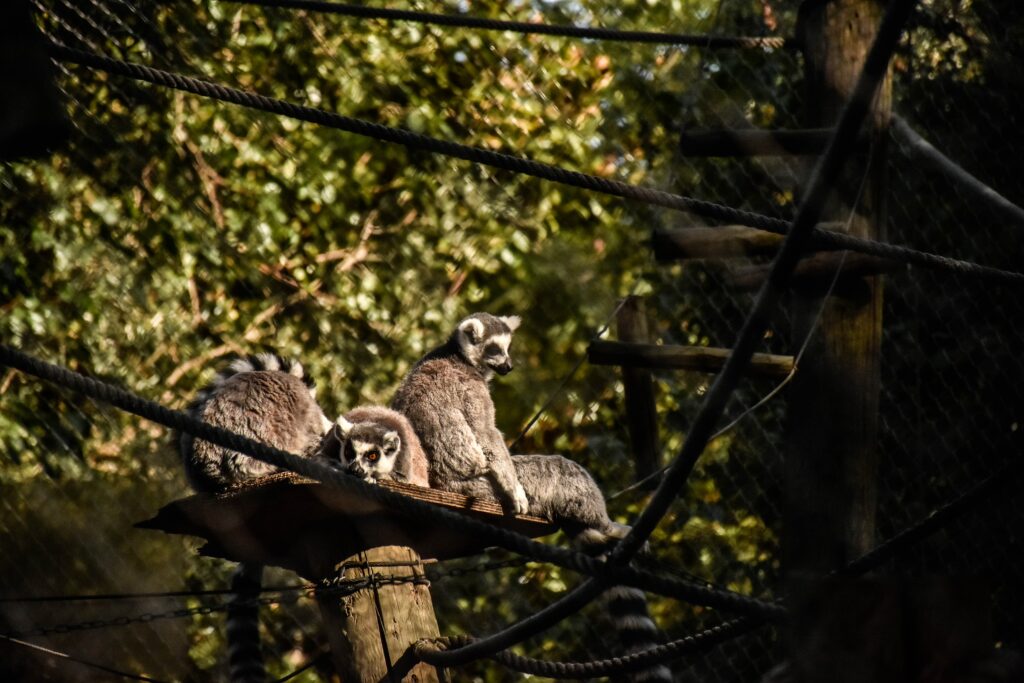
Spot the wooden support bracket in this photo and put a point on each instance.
(698, 358)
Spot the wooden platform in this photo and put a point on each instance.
(284, 520)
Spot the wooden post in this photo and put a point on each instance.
(641, 414)
(832, 453)
(372, 630)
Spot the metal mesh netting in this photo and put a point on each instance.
(77, 475)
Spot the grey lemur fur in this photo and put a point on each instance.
(262, 397)
(448, 401)
(268, 399)
(376, 443)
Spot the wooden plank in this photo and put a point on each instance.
(713, 242)
(818, 271)
(721, 241)
(274, 521)
(698, 358)
(641, 414)
(746, 142)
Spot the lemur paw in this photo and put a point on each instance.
(520, 504)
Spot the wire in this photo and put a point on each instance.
(76, 660)
(572, 373)
(820, 239)
(585, 32)
(305, 667)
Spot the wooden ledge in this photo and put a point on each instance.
(285, 520)
(819, 270)
(699, 358)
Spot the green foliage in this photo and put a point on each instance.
(175, 232)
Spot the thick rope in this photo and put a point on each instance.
(585, 32)
(825, 175)
(821, 240)
(315, 469)
(637, 661)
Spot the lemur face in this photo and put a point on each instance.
(368, 451)
(484, 340)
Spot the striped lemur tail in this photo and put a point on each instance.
(245, 656)
(634, 631)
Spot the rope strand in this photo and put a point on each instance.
(530, 28)
(820, 240)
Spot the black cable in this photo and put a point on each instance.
(315, 469)
(820, 240)
(585, 32)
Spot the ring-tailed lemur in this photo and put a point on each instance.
(263, 397)
(376, 443)
(268, 399)
(448, 401)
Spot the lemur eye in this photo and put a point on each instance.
(373, 456)
(492, 350)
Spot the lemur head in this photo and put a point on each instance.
(483, 341)
(366, 449)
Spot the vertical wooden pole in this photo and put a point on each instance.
(641, 414)
(832, 454)
(372, 630)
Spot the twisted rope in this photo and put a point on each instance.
(313, 469)
(821, 239)
(638, 661)
(585, 32)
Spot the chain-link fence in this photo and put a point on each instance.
(213, 232)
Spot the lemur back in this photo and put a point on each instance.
(262, 397)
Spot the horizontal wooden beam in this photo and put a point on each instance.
(698, 358)
(719, 241)
(745, 142)
(818, 270)
(713, 242)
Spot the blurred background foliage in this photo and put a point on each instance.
(174, 233)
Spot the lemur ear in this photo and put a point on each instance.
(392, 442)
(472, 328)
(343, 427)
(512, 321)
